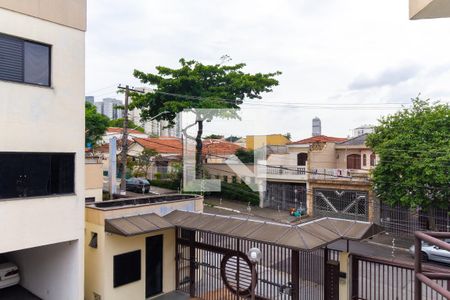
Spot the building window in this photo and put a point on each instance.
(127, 268)
(93, 241)
(36, 174)
(354, 161)
(24, 61)
(364, 160)
(372, 159)
(225, 178)
(234, 179)
(302, 158)
(89, 200)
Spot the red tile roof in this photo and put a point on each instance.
(105, 147)
(119, 130)
(166, 145)
(219, 147)
(320, 139)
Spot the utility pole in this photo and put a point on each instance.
(123, 159)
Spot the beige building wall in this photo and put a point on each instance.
(38, 120)
(429, 9)
(323, 158)
(70, 13)
(94, 180)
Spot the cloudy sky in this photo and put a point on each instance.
(346, 61)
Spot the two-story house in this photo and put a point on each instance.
(42, 75)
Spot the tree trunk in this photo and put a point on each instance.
(198, 151)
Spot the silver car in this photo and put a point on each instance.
(432, 252)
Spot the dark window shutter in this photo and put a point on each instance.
(37, 64)
(11, 58)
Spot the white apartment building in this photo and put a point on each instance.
(42, 74)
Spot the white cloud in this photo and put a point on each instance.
(322, 47)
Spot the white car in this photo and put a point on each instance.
(432, 252)
(9, 274)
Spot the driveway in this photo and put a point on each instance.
(17, 293)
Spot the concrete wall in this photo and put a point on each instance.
(70, 13)
(51, 272)
(38, 120)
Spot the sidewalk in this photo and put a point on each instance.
(392, 241)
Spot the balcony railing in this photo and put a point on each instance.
(286, 172)
(339, 174)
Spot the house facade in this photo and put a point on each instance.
(326, 176)
(169, 154)
(42, 187)
(117, 133)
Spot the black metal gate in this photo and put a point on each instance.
(213, 267)
(345, 204)
(285, 196)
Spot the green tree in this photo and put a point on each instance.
(288, 135)
(198, 86)
(145, 159)
(246, 156)
(214, 136)
(131, 124)
(232, 138)
(95, 123)
(414, 150)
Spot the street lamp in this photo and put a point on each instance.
(254, 255)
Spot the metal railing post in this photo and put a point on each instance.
(417, 268)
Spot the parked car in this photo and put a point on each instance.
(9, 273)
(138, 185)
(432, 252)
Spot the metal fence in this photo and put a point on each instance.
(210, 266)
(347, 204)
(385, 280)
(402, 220)
(284, 196)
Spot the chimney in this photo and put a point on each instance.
(316, 127)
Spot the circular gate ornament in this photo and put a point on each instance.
(237, 277)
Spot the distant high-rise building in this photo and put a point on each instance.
(316, 127)
(99, 107)
(110, 108)
(89, 99)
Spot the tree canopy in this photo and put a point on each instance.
(95, 123)
(414, 150)
(232, 138)
(131, 124)
(214, 136)
(245, 156)
(195, 85)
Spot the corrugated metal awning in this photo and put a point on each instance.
(134, 225)
(306, 236)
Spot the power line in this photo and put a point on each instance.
(290, 104)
